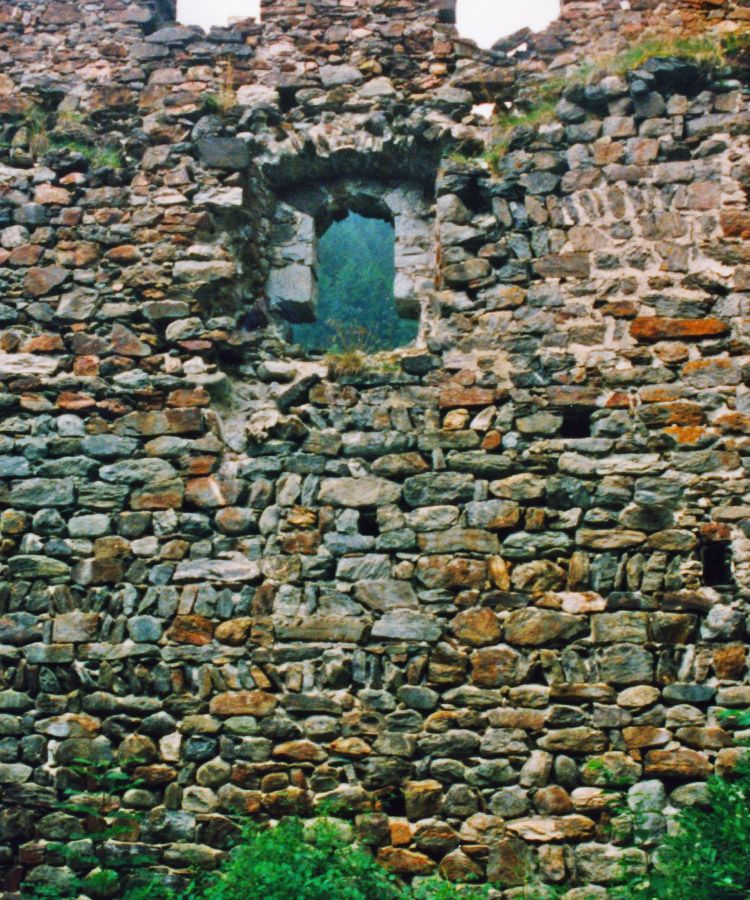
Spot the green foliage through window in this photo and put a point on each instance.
(356, 306)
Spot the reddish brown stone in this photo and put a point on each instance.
(169, 421)
(729, 661)
(15, 106)
(451, 572)
(125, 254)
(620, 309)
(496, 666)
(243, 703)
(199, 465)
(477, 627)
(86, 365)
(235, 520)
(68, 400)
(715, 531)
(422, 798)
(708, 738)
(350, 747)
(185, 398)
(292, 801)
(458, 867)
(735, 422)
(564, 828)
(455, 396)
(299, 751)
(233, 632)
(84, 344)
(59, 14)
(125, 343)
(155, 774)
(575, 395)
(41, 281)
(195, 630)
(682, 412)
(553, 801)
(26, 255)
(640, 736)
(168, 495)
(735, 223)
(683, 764)
(655, 328)
(405, 862)
(44, 343)
(51, 195)
(77, 253)
(305, 542)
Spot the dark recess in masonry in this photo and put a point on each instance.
(717, 565)
(576, 423)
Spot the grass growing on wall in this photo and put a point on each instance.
(708, 52)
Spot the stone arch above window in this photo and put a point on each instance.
(303, 214)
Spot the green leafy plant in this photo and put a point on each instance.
(290, 860)
(314, 860)
(706, 851)
(96, 802)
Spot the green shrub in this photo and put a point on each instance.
(706, 854)
(290, 861)
(295, 860)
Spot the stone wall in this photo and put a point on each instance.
(465, 596)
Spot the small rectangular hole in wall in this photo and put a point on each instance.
(368, 523)
(287, 98)
(576, 423)
(717, 564)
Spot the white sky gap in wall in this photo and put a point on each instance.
(485, 21)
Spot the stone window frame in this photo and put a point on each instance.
(304, 212)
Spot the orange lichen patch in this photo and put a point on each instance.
(661, 393)
(737, 422)
(688, 434)
(655, 328)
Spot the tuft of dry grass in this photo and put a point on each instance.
(346, 362)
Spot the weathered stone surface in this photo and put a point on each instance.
(243, 703)
(432, 489)
(404, 624)
(533, 627)
(219, 570)
(385, 594)
(358, 492)
(564, 828)
(477, 627)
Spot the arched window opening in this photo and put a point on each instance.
(352, 261)
(356, 272)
